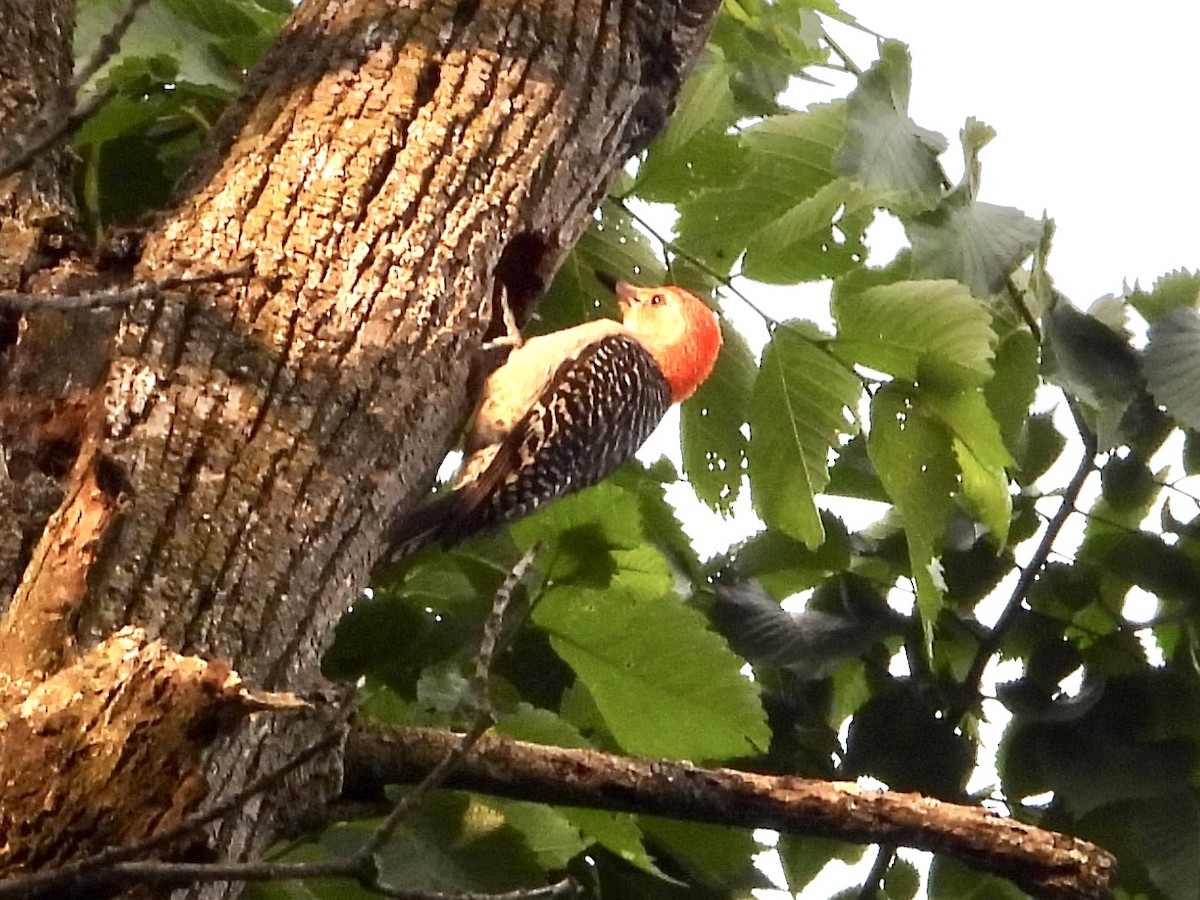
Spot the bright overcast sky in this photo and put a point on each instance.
(1095, 109)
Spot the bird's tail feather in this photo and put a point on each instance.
(422, 527)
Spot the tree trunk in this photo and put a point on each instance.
(224, 478)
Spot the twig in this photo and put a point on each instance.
(668, 244)
(63, 116)
(108, 47)
(483, 711)
(50, 133)
(873, 883)
(1033, 568)
(25, 303)
(841, 54)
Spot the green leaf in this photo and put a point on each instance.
(158, 29)
(784, 566)
(912, 453)
(902, 880)
(549, 834)
(804, 856)
(715, 856)
(1171, 363)
(449, 842)
(664, 683)
(801, 244)
(1011, 390)
(618, 832)
(603, 516)
(711, 421)
(1089, 358)
(977, 244)
(918, 331)
(986, 489)
(1176, 290)
(884, 147)
(785, 160)
(803, 402)
(951, 880)
(1040, 444)
(705, 102)
(899, 737)
(967, 415)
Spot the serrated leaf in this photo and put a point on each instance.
(977, 244)
(951, 880)
(803, 402)
(704, 102)
(711, 438)
(986, 490)
(1176, 290)
(1171, 364)
(919, 331)
(664, 683)
(1011, 390)
(801, 244)
(884, 147)
(902, 880)
(783, 160)
(912, 453)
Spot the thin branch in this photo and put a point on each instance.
(107, 48)
(56, 128)
(25, 303)
(1029, 574)
(483, 715)
(841, 54)
(668, 244)
(62, 118)
(873, 883)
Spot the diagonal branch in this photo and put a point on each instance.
(1042, 862)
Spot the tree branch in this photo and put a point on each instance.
(24, 303)
(991, 644)
(1042, 862)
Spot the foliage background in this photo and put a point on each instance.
(952, 386)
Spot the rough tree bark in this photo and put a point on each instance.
(214, 465)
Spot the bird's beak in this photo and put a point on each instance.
(626, 294)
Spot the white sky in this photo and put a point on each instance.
(1095, 108)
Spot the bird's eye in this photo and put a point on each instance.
(658, 300)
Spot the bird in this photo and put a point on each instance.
(565, 410)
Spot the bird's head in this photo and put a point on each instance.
(677, 328)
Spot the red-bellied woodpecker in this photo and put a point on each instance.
(566, 409)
